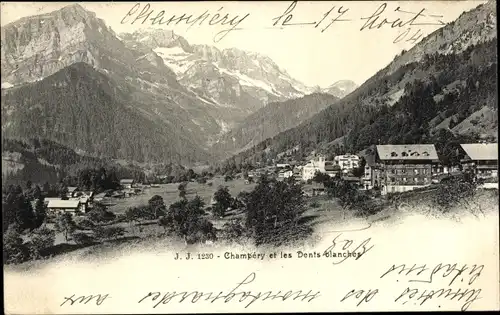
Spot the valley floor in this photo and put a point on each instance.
(324, 215)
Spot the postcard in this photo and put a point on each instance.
(272, 156)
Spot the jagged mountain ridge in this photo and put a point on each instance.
(223, 75)
(454, 74)
(38, 46)
(340, 88)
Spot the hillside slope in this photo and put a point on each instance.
(405, 101)
(43, 161)
(271, 120)
(85, 110)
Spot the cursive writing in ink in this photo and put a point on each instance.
(341, 11)
(149, 15)
(422, 296)
(344, 244)
(98, 298)
(288, 16)
(374, 21)
(239, 293)
(361, 295)
(452, 272)
(285, 19)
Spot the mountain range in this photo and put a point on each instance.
(145, 96)
(151, 96)
(443, 90)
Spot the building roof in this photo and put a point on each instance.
(126, 181)
(48, 199)
(407, 152)
(330, 167)
(370, 159)
(65, 204)
(481, 151)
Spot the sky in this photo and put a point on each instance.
(350, 48)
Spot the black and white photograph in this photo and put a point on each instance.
(249, 156)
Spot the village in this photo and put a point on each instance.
(387, 169)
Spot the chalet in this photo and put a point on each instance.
(46, 200)
(317, 189)
(285, 174)
(347, 162)
(481, 158)
(84, 203)
(99, 197)
(118, 194)
(71, 192)
(297, 173)
(283, 165)
(405, 167)
(352, 180)
(127, 183)
(61, 206)
(129, 192)
(331, 169)
(310, 169)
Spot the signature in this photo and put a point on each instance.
(239, 293)
(290, 17)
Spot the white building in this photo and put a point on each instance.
(310, 169)
(61, 206)
(282, 165)
(347, 162)
(285, 174)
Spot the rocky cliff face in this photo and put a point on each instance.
(38, 46)
(230, 77)
(198, 89)
(35, 48)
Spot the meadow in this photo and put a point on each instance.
(170, 193)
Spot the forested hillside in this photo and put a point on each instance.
(83, 109)
(271, 120)
(43, 161)
(410, 105)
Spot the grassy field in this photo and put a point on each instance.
(170, 193)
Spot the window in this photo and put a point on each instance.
(426, 179)
(393, 171)
(403, 171)
(416, 180)
(424, 171)
(392, 180)
(415, 154)
(404, 179)
(416, 171)
(404, 154)
(394, 154)
(425, 153)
